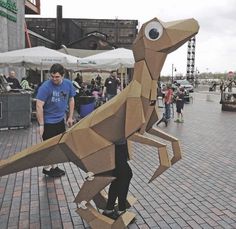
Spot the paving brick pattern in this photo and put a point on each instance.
(197, 192)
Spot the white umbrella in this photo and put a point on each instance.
(37, 57)
(119, 58)
(112, 59)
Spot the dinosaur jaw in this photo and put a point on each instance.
(179, 32)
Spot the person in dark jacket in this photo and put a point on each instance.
(111, 85)
(180, 105)
(13, 81)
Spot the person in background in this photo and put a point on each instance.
(13, 81)
(180, 104)
(111, 85)
(54, 99)
(79, 79)
(25, 84)
(98, 80)
(168, 100)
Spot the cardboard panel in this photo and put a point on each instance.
(153, 96)
(91, 188)
(155, 62)
(146, 82)
(110, 108)
(138, 68)
(138, 50)
(113, 128)
(84, 142)
(101, 161)
(100, 200)
(160, 133)
(153, 119)
(94, 218)
(134, 90)
(45, 153)
(176, 151)
(134, 116)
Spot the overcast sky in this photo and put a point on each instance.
(215, 42)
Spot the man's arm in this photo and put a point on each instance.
(39, 111)
(70, 120)
(104, 91)
(39, 115)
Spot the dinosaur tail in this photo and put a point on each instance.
(45, 153)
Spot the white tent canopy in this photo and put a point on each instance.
(37, 57)
(112, 59)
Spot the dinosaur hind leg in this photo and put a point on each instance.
(91, 188)
(174, 141)
(98, 221)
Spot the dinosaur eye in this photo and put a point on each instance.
(153, 30)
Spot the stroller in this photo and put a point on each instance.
(98, 98)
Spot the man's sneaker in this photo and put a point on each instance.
(166, 122)
(112, 215)
(51, 173)
(59, 171)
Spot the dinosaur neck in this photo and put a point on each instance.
(153, 62)
(146, 83)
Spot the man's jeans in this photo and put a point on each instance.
(167, 111)
(110, 96)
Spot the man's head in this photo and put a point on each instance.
(12, 74)
(57, 72)
(169, 85)
(114, 73)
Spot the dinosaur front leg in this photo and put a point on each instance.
(163, 155)
(174, 141)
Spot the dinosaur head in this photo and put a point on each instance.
(156, 39)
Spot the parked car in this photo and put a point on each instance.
(186, 84)
(186, 95)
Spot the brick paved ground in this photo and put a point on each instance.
(197, 192)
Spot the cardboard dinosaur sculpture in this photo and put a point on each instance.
(90, 143)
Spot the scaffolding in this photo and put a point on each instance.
(191, 59)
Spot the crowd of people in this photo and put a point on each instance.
(15, 84)
(170, 96)
(103, 91)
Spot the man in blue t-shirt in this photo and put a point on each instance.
(55, 98)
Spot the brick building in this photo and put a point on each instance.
(91, 34)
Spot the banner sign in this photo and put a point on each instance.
(9, 5)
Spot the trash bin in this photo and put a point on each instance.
(86, 105)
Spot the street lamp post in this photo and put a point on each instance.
(173, 69)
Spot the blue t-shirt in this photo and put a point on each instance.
(56, 99)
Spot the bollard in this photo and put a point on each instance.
(209, 98)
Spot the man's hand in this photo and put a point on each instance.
(40, 131)
(70, 122)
